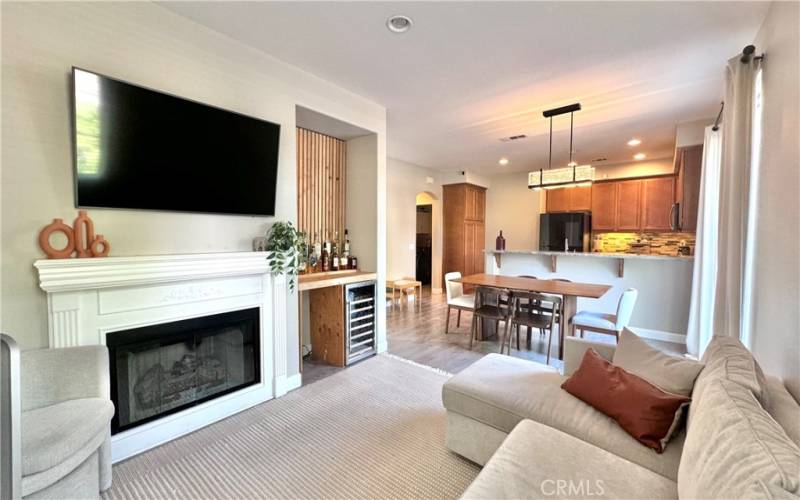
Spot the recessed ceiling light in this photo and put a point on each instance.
(503, 161)
(399, 23)
(639, 156)
(634, 142)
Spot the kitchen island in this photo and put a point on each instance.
(664, 283)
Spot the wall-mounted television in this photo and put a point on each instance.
(137, 148)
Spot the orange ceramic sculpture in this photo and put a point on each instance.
(80, 239)
(100, 247)
(83, 227)
(44, 240)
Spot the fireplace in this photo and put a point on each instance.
(165, 368)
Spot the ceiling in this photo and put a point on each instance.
(470, 73)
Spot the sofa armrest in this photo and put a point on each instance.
(574, 349)
(50, 376)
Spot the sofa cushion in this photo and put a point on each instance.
(783, 408)
(52, 434)
(645, 411)
(537, 461)
(728, 358)
(500, 391)
(734, 443)
(673, 374)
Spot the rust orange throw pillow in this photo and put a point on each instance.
(645, 412)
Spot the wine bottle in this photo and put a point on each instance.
(326, 256)
(346, 253)
(335, 252)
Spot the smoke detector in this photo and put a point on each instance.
(399, 23)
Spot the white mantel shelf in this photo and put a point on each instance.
(88, 299)
(621, 257)
(62, 275)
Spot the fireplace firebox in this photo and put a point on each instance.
(165, 368)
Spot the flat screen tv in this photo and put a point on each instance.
(136, 148)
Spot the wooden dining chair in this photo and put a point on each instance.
(488, 306)
(523, 314)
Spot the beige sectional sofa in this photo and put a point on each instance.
(537, 441)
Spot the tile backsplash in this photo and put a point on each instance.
(643, 243)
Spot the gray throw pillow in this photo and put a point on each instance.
(670, 373)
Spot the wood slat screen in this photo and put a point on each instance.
(321, 173)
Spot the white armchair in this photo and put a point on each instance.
(60, 432)
(456, 299)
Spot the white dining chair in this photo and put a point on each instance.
(611, 324)
(456, 299)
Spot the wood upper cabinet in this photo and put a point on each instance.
(463, 209)
(659, 198)
(604, 206)
(580, 199)
(574, 199)
(557, 200)
(629, 205)
(687, 188)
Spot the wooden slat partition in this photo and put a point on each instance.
(321, 173)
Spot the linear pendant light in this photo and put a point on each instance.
(569, 176)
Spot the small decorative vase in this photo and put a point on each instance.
(83, 229)
(500, 242)
(100, 247)
(44, 240)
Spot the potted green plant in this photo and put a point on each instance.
(286, 250)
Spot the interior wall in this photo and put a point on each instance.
(514, 209)
(428, 198)
(143, 43)
(362, 220)
(776, 340)
(405, 182)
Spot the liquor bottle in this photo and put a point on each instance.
(335, 252)
(316, 254)
(346, 252)
(326, 256)
(303, 257)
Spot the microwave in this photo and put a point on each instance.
(565, 232)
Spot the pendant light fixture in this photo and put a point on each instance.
(569, 176)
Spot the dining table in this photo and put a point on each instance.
(568, 290)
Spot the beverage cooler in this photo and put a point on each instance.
(359, 321)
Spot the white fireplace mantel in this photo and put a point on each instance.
(89, 298)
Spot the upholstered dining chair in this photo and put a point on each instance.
(522, 314)
(611, 324)
(488, 307)
(456, 299)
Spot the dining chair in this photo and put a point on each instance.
(611, 324)
(488, 306)
(522, 314)
(529, 330)
(456, 299)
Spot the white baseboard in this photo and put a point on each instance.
(647, 333)
(288, 383)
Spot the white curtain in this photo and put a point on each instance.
(701, 309)
(738, 184)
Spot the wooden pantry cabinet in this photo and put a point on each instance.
(464, 211)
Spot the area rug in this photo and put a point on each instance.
(374, 430)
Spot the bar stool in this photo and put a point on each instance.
(523, 314)
(611, 324)
(456, 299)
(487, 306)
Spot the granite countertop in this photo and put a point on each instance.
(593, 254)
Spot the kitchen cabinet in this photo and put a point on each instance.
(629, 205)
(658, 204)
(572, 199)
(463, 209)
(604, 206)
(687, 189)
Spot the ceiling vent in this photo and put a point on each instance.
(513, 138)
(598, 160)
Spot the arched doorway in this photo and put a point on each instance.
(428, 240)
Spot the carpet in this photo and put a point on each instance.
(374, 430)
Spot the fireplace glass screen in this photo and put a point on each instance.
(164, 368)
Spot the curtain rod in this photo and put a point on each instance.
(719, 117)
(747, 54)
